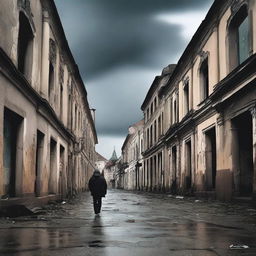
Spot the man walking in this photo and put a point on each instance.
(98, 188)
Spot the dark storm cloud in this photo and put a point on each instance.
(109, 33)
(120, 46)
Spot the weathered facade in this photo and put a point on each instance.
(111, 170)
(130, 166)
(47, 133)
(153, 174)
(211, 146)
(200, 122)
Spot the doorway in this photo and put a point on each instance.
(243, 153)
(210, 158)
(13, 142)
(188, 165)
(53, 167)
(39, 161)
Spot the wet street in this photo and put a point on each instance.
(133, 224)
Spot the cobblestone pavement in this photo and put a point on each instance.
(133, 224)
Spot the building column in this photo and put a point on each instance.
(224, 143)
(253, 112)
(45, 55)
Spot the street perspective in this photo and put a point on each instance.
(128, 127)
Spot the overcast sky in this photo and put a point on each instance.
(120, 46)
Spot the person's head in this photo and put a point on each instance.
(96, 173)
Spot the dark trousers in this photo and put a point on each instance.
(97, 204)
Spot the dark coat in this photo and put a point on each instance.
(98, 186)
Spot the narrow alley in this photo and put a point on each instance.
(133, 223)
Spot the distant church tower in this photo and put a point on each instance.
(114, 156)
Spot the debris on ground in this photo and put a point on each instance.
(238, 246)
(179, 197)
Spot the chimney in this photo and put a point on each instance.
(93, 114)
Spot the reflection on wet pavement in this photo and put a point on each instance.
(134, 224)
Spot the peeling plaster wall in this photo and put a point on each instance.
(8, 27)
(200, 166)
(43, 118)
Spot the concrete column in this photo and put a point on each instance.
(253, 112)
(45, 56)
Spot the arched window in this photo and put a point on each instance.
(239, 38)
(204, 79)
(25, 46)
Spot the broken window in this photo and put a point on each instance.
(25, 46)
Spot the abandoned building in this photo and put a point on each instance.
(211, 145)
(129, 174)
(47, 132)
(153, 107)
(200, 115)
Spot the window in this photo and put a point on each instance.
(61, 102)
(174, 111)
(148, 143)
(159, 126)
(155, 132)
(204, 79)
(239, 38)
(51, 81)
(25, 46)
(171, 111)
(186, 97)
(162, 121)
(151, 135)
